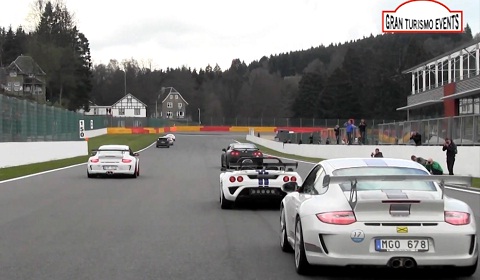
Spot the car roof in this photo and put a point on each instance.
(114, 147)
(340, 163)
(243, 145)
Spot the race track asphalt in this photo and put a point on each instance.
(166, 224)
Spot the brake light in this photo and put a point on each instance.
(337, 218)
(94, 160)
(457, 218)
(240, 179)
(232, 179)
(293, 179)
(235, 153)
(257, 154)
(286, 179)
(126, 160)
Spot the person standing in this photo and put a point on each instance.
(337, 134)
(451, 149)
(350, 129)
(434, 167)
(363, 131)
(416, 137)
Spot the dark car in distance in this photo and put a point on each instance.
(163, 141)
(235, 151)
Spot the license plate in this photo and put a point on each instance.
(262, 191)
(403, 245)
(109, 167)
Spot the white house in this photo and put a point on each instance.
(127, 106)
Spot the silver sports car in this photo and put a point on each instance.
(378, 212)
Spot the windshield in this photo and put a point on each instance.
(386, 185)
(244, 146)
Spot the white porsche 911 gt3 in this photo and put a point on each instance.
(378, 212)
(113, 160)
(250, 180)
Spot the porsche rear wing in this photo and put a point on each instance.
(264, 165)
(353, 180)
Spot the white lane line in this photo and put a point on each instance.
(58, 169)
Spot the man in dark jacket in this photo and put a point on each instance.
(363, 131)
(377, 153)
(337, 134)
(417, 138)
(451, 149)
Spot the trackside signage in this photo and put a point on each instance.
(81, 127)
(422, 16)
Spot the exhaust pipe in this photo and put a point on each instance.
(396, 263)
(109, 172)
(408, 263)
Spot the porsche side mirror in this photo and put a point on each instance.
(224, 150)
(136, 154)
(290, 187)
(223, 169)
(93, 153)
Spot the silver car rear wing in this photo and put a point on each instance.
(354, 179)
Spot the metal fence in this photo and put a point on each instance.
(464, 130)
(23, 121)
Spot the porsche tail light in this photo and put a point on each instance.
(232, 179)
(457, 218)
(293, 179)
(235, 153)
(239, 179)
(126, 160)
(94, 160)
(337, 218)
(286, 179)
(257, 154)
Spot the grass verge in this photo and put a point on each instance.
(135, 141)
(475, 181)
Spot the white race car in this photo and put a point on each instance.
(377, 212)
(249, 180)
(171, 136)
(113, 160)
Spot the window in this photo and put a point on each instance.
(176, 96)
(171, 96)
(136, 111)
(95, 111)
(181, 114)
(308, 184)
(180, 105)
(169, 114)
(121, 111)
(169, 104)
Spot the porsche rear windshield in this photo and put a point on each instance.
(386, 185)
(245, 146)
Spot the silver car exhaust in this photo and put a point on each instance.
(401, 263)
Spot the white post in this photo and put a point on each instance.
(468, 65)
(199, 120)
(477, 59)
(442, 72)
(436, 73)
(413, 83)
(461, 64)
(449, 70)
(424, 77)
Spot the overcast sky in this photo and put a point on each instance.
(196, 33)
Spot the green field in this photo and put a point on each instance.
(135, 141)
(475, 181)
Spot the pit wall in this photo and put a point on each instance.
(466, 162)
(157, 130)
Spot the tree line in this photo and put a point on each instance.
(357, 79)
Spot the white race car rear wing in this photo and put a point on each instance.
(353, 180)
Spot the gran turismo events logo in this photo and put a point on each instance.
(422, 16)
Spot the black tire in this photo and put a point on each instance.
(286, 247)
(224, 203)
(90, 175)
(301, 263)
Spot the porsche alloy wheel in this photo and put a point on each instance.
(283, 234)
(301, 264)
